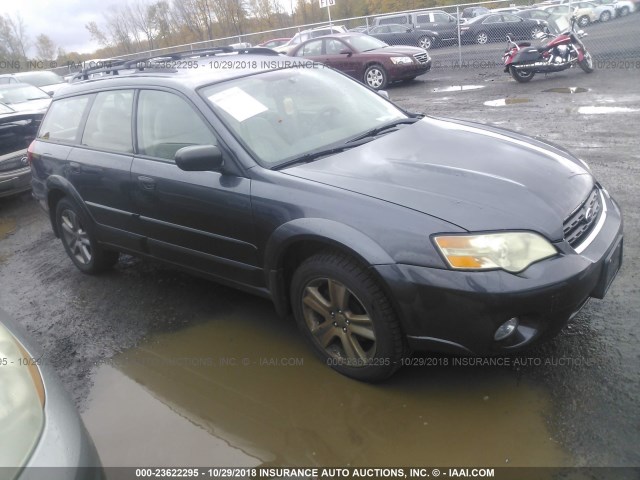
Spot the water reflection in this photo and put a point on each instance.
(244, 390)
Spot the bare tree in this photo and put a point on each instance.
(13, 37)
(45, 48)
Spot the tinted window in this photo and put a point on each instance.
(510, 18)
(166, 123)
(109, 122)
(400, 19)
(493, 19)
(397, 29)
(334, 47)
(441, 18)
(62, 122)
(425, 19)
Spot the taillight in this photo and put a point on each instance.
(30, 153)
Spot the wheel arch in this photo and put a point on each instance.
(58, 188)
(295, 241)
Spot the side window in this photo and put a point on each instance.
(510, 18)
(384, 29)
(440, 18)
(397, 29)
(166, 123)
(425, 19)
(493, 19)
(312, 49)
(334, 47)
(390, 20)
(62, 122)
(109, 122)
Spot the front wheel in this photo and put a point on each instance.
(583, 21)
(586, 63)
(605, 16)
(376, 77)
(425, 42)
(79, 241)
(521, 76)
(482, 38)
(346, 316)
(624, 11)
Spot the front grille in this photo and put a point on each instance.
(14, 163)
(584, 219)
(422, 57)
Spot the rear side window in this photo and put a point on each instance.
(401, 19)
(109, 122)
(424, 19)
(62, 122)
(166, 123)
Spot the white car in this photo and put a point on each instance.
(624, 7)
(307, 35)
(604, 10)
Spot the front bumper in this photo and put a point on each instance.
(15, 181)
(402, 72)
(460, 311)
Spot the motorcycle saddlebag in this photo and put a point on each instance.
(527, 55)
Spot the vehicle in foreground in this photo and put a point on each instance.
(47, 81)
(38, 416)
(292, 181)
(494, 27)
(367, 59)
(23, 97)
(17, 131)
(403, 35)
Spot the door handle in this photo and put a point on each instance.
(147, 183)
(74, 167)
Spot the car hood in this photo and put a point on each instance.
(476, 177)
(40, 105)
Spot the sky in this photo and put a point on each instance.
(63, 20)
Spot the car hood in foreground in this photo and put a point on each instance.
(476, 177)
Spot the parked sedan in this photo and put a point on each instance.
(17, 131)
(366, 59)
(24, 97)
(494, 27)
(38, 417)
(275, 42)
(394, 34)
(49, 82)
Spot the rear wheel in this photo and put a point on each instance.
(521, 76)
(605, 16)
(376, 77)
(425, 42)
(586, 63)
(583, 21)
(79, 241)
(482, 38)
(624, 11)
(346, 316)
(535, 31)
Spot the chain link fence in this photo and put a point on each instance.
(469, 35)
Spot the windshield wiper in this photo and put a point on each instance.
(311, 156)
(387, 126)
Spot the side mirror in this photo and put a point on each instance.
(346, 52)
(383, 94)
(199, 158)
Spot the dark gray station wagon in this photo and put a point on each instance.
(382, 231)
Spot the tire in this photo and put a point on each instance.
(624, 11)
(79, 240)
(482, 38)
(425, 42)
(535, 31)
(605, 16)
(347, 318)
(376, 77)
(583, 21)
(586, 63)
(521, 76)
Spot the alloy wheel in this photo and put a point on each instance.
(375, 78)
(338, 321)
(482, 38)
(76, 237)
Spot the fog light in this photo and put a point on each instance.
(506, 329)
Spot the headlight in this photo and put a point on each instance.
(21, 402)
(510, 251)
(401, 60)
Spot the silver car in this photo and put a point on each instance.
(37, 417)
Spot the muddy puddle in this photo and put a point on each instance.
(502, 102)
(244, 390)
(456, 88)
(7, 226)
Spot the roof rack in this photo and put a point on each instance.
(140, 64)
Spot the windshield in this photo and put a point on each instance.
(365, 43)
(283, 114)
(39, 79)
(20, 94)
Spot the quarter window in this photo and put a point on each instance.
(166, 123)
(109, 122)
(62, 122)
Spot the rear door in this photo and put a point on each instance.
(444, 24)
(198, 219)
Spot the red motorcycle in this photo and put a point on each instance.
(563, 51)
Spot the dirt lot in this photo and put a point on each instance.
(173, 370)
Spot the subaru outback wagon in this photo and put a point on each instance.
(381, 230)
